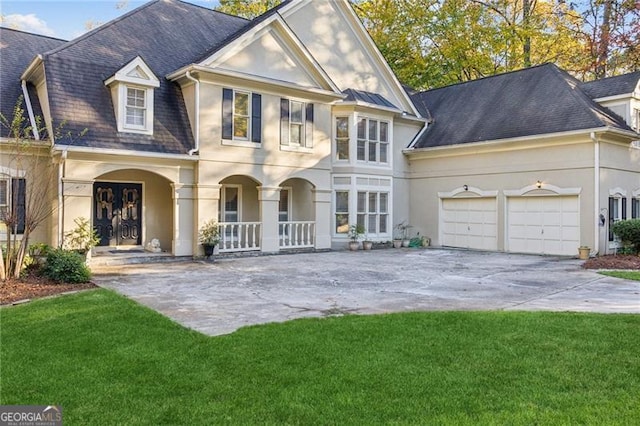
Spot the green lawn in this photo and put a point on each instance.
(107, 360)
(627, 275)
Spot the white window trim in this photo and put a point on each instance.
(124, 79)
(334, 131)
(237, 141)
(302, 147)
(618, 194)
(223, 200)
(353, 188)
(353, 117)
(378, 142)
(7, 182)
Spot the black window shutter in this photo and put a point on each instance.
(308, 126)
(18, 201)
(624, 208)
(611, 203)
(227, 114)
(284, 121)
(256, 118)
(634, 208)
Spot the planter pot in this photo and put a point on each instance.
(405, 243)
(208, 250)
(367, 245)
(583, 253)
(397, 243)
(353, 245)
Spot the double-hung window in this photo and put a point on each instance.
(617, 212)
(373, 211)
(342, 212)
(241, 116)
(12, 202)
(635, 207)
(136, 108)
(373, 141)
(296, 123)
(342, 138)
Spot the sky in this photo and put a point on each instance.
(66, 19)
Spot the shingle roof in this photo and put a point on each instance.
(243, 30)
(17, 50)
(167, 35)
(611, 86)
(533, 101)
(354, 95)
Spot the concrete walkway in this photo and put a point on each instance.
(220, 297)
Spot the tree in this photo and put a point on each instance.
(32, 174)
(611, 32)
(247, 8)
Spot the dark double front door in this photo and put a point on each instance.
(117, 213)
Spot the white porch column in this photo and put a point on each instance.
(322, 202)
(207, 202)
(183, 241)
(77, 202)
(269, 197)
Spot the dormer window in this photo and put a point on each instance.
(136, 109)
(132, 94)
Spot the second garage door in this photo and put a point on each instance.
(469, 223)
(543, 225)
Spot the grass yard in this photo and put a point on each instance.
(107, 360)
(627, 275)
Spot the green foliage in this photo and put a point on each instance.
(65, 266)
(210, 233)
(629, 232)
(356, 232)
(104, 356)
(625, 275)
(81, 238)
(247, 8)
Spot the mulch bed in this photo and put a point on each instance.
(34, 287)
(619, 261)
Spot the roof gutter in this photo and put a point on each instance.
(32, 118)
(497, 142)
(197, 114)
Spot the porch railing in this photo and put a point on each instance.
(297, 234)
(239, 236)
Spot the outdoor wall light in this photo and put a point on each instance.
(465, 187)
(538, 184)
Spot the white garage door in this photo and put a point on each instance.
(544, 225)
(469, 223)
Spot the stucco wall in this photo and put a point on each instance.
(562, 166)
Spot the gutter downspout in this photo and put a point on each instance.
(596, 190)
(61, 171)
(197, 114)
(32, 118)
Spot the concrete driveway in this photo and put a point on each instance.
(220, 297)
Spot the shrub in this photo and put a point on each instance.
(629, 232)
(66, 267)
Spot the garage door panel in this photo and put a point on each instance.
(469, 223)
(543, 225)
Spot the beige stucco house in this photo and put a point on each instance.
(288, 128)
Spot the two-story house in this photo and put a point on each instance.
(288, 128)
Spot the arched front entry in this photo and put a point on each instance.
(131, 208)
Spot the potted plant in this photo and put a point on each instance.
(209, 237)
(82, 238)
(355, 234)
(367, 244)
(402, 235)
